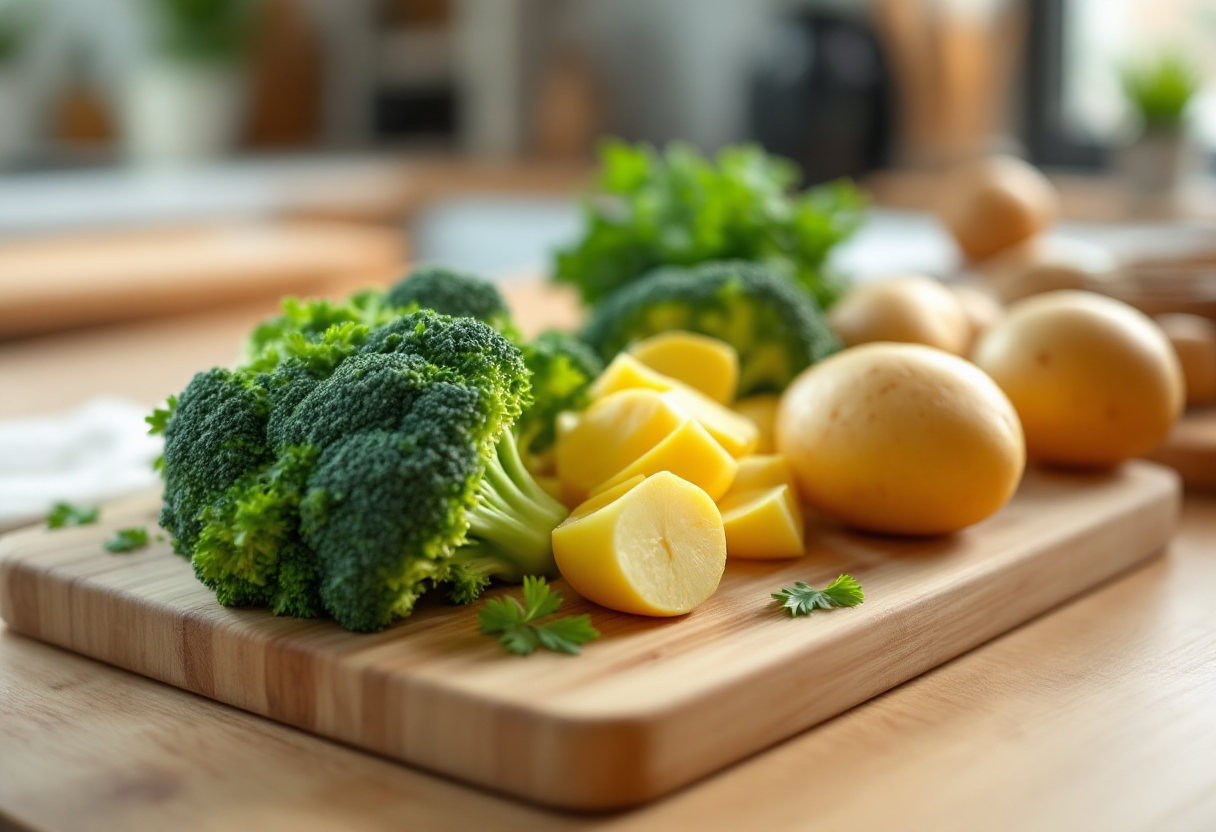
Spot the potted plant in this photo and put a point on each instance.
(186, 103)
(1162, 156)
(17, 133)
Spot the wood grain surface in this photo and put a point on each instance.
(53, 284)
(652, 706)
(1190, 448)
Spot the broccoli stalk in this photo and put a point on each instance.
(514, 519)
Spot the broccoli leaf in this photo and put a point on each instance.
(127, 540)
(803, 599)
(515, 623)
(159, 419)
(66, 514)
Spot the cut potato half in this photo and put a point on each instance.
(659, 549)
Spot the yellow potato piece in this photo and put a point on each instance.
(658, 549)
(763, 524)
(762, 411)
(763, 471)
(605, 494)
(703, 363)
(611, 434)
(737, 434)
(627, 373)
(691, 454)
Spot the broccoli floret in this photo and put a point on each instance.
(455, 293)
(215, 435)
(562, 368)
(318, 331)
(777, 329)
(366, 482)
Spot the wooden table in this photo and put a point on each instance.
(1101, 715)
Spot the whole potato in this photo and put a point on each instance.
(1094, 381)
(901, 439)
(994, 203)
(911, 309)
(1194, 339)
(1047, 264)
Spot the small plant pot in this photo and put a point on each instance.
(1158, 163)
(184, 114)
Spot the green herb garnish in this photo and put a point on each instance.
(127, 540)
(66, 514)
(514, 623)
(803, 599)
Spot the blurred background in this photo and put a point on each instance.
(166, 158)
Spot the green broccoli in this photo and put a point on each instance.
(562, 368)
(455, 293)
(321, 332)
(352, 487)
(777, 330)
(679, 208)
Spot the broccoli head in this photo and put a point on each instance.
(455, 293)
(562, 367)
(777, 329)
(352, 487)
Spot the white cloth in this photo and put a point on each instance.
(97, 452)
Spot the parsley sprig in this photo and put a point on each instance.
(127, 540)
(66, 514)
(803, 599)
(514, 623)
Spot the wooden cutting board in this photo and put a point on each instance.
(1190, 448)
(651, 706)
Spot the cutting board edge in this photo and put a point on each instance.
(625, 742)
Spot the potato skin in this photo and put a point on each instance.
(901, 439)
(1094, 381)
(910, 309)
(1194, 339)
(994, 203)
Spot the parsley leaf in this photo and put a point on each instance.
(66, 514)
(127, 540)
(515, 623)
(803, 599)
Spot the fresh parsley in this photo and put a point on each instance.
(127, 540)
(66, 514)
(803, 599)
(515, 623)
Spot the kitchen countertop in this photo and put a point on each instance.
(1099, 715)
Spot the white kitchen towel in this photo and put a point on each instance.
(97, 452)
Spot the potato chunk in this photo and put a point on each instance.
(657, 549)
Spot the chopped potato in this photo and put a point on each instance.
(658, 549)
(763, 524)
(612, 433)
(762, 411)
(737, 434)
(627, 373)
(763, 471)
(703, 363)
(691, 454)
